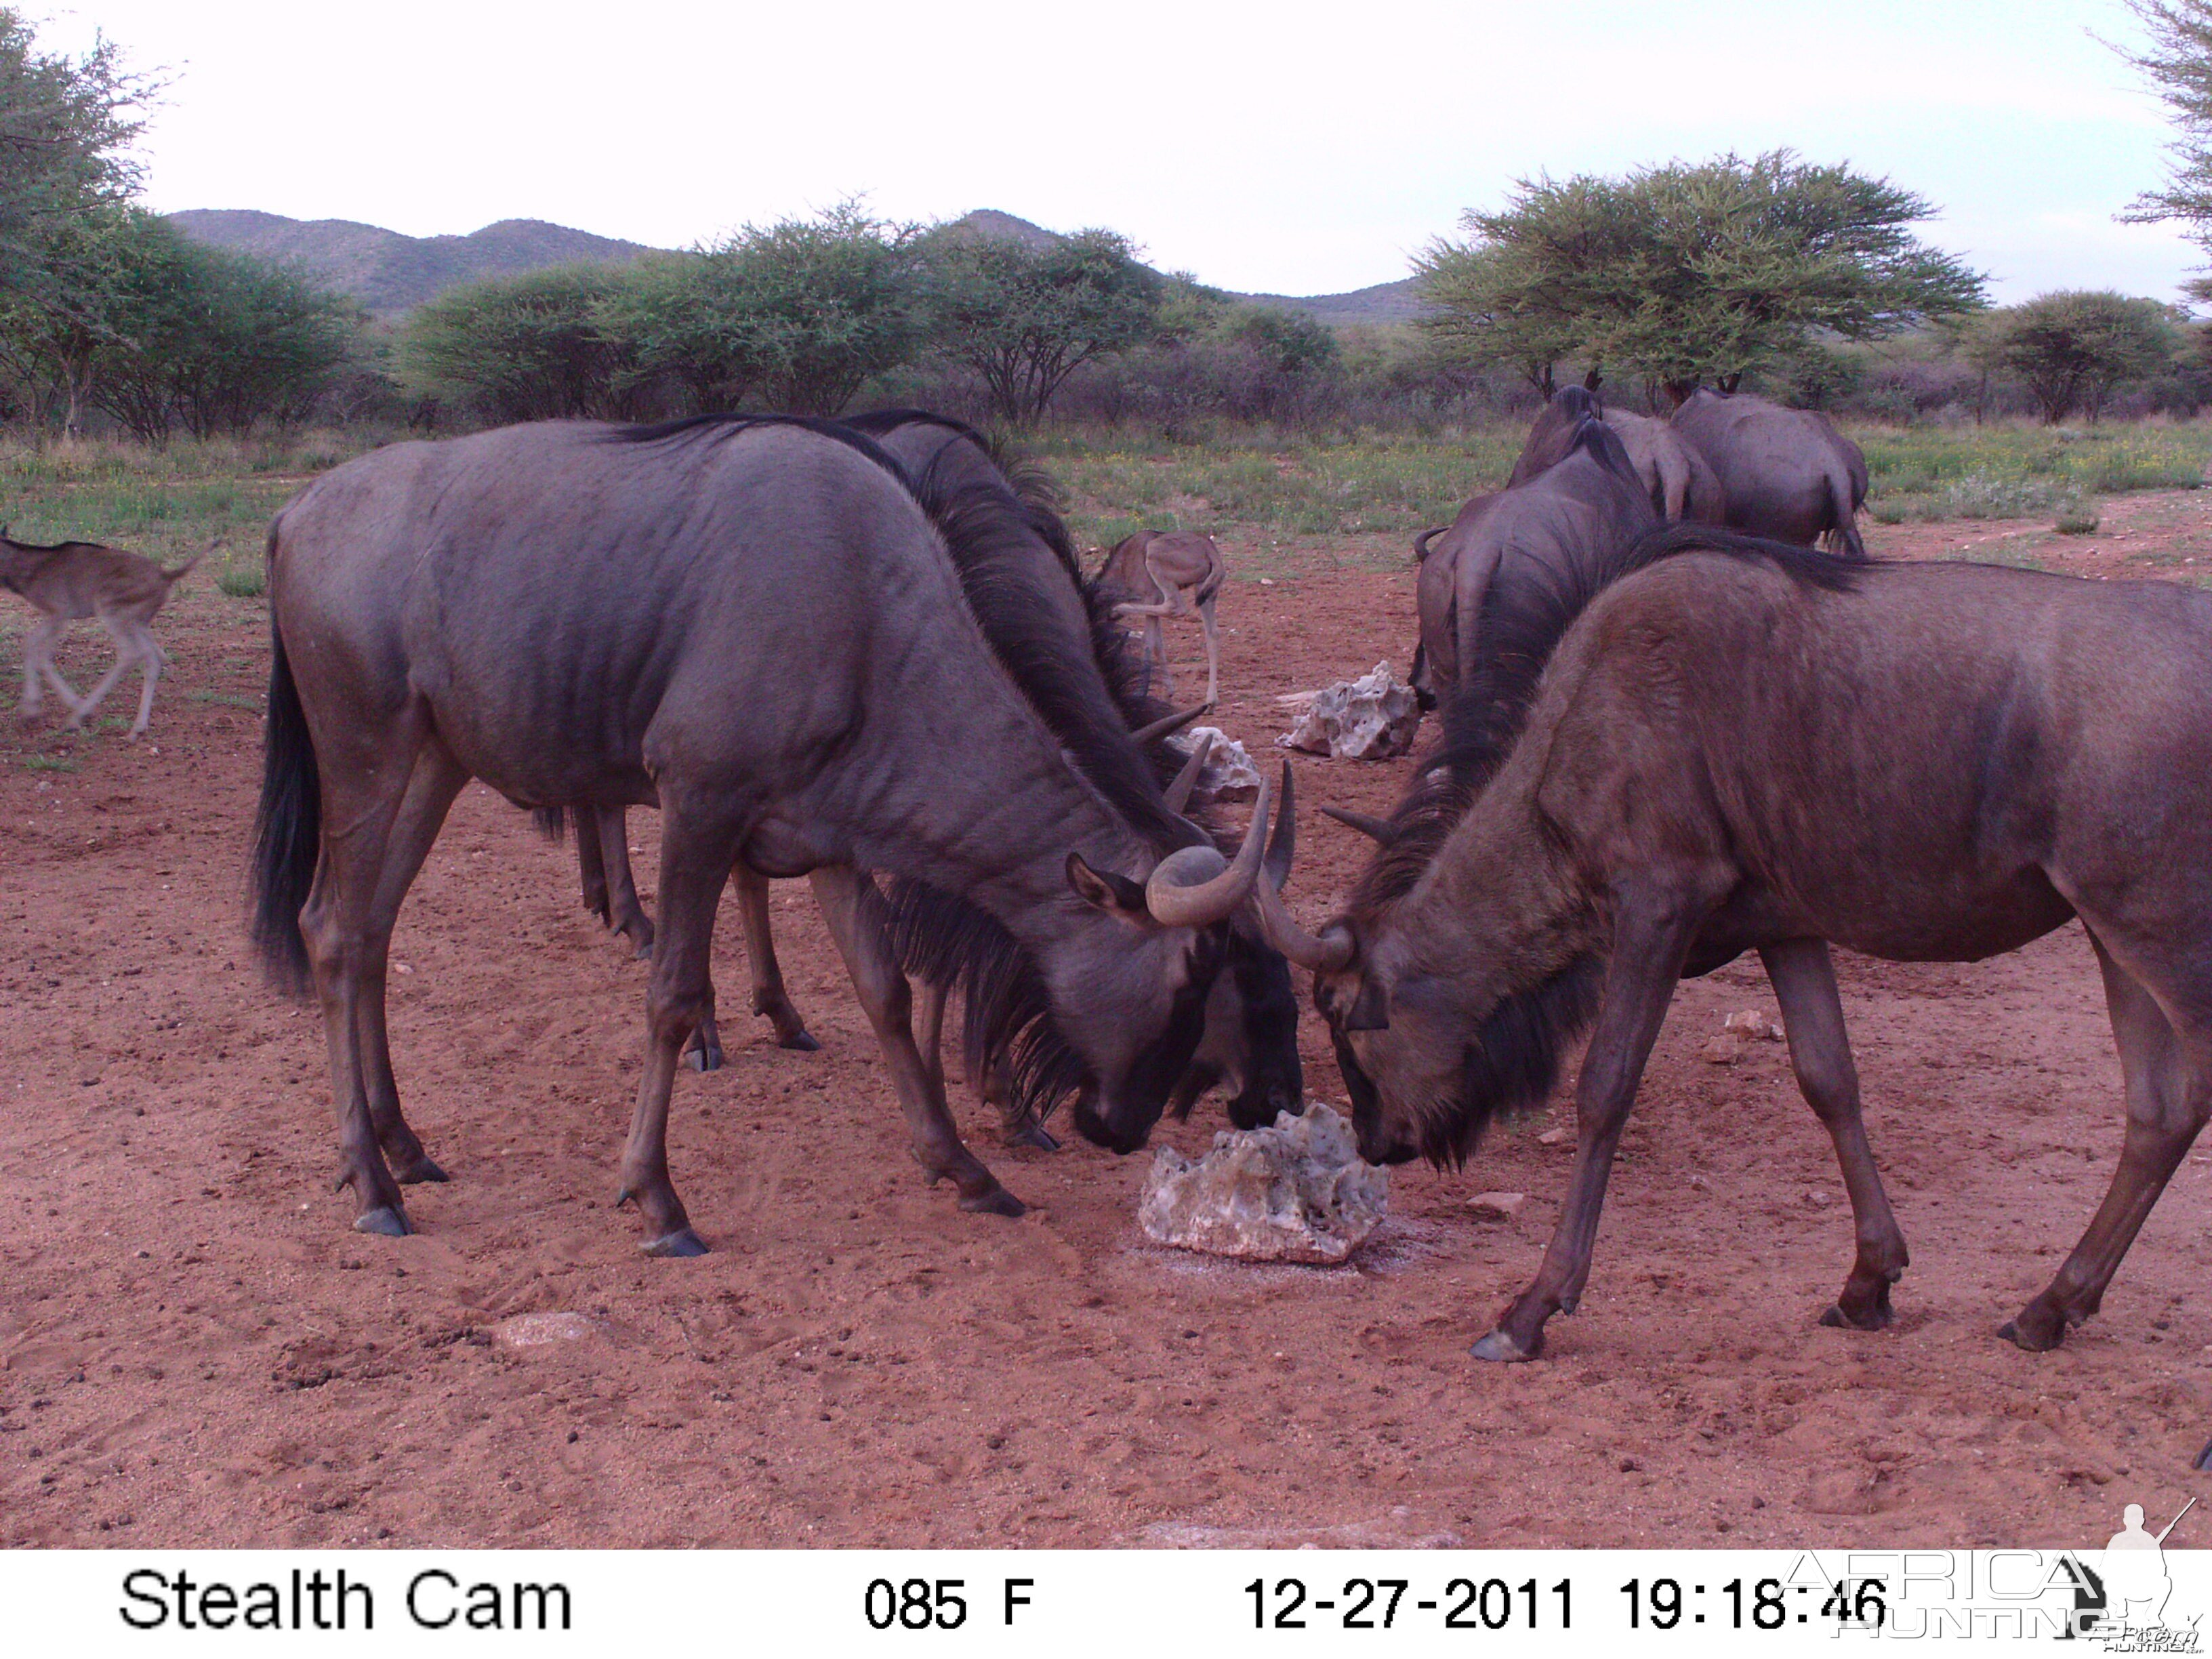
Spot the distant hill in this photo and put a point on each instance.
(388, 272)
(1384, 302)
(391, 273)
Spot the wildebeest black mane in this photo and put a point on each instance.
(1521, 625)
(1513, 1061)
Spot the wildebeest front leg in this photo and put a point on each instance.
(2169, 1096)
(770, 998)
(625, 914)
(695, 860)
(1650, 940)
(590, 865)
(849, 905)
(1804, 981)
(1213, 651)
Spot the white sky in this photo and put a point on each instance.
(1265, 148)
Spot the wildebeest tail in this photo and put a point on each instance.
(288, 830)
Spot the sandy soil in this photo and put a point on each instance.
(194, 1349)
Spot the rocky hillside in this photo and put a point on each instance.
(389, 272)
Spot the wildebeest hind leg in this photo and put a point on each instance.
(436, 780)
(1804, 981)
(853, 910)
(2169, 1093)
(591, 865)
(1651, 934)
(366, 776)
(696, 850)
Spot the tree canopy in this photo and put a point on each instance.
(2073, 348)
(1688, 274)
(2178, 62)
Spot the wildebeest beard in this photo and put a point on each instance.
(1508, 1066)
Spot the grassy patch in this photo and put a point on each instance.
(2005, 472)
(49, 763)
(167, 503)
(224, 700)
(243, 581)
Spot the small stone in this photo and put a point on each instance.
(1699, 1183)
(1296, 1191)
(1497, 1207)
(538, 1330)
(1629, 1465)
(1752, 1023)
(1371, 718)
(1725, 1050)
(1815, 1197)
(1561, 1135)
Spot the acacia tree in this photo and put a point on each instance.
(2178, 62)
(2074, 349)
(526, 348)
(1024, 319)
(802, 313)
(1688, 274)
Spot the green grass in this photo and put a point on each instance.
(243, 581)
(49, 763)
(2010, 472)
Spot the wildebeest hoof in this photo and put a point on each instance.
(996, 1201)
(389, 1220)
(1877, 1317)
(681, 1243)
(416, 1169)
(703, 1060)
(1029, 1134)
(2030, 1337)
(801, 1040)
(1501, 1349)
(2203, 1460)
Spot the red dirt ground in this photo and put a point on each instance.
(195, 1350)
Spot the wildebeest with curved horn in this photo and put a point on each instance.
(580, 614)
(1744, 745)
(1786, 473)
(1251, 1027)
(1573, 498)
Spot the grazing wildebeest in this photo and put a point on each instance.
(1745, 745)
(1251, 1033)
(1577, 500)
(1168, 572)
(1786, 473)
(69, 581)
(1680, 483)
(584, 614)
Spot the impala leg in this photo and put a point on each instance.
(38, 662)
(1651, 937)
(853, 911)
(627, 915)
(2169, 1094)
(1804, 981)
(151, 659)
(129, 654)
(430, 792)
(770, 998)
(696, 851)
(1156, 652)
(1213, 653)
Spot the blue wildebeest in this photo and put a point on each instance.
(582, 615)
(1742, 744)
(1787, 473)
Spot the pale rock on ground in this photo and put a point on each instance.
(1497, 1207)
(1371, 718)
(1229, 773)
(1295, 1192)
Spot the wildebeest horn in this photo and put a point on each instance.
(1334, 949)
(1159, 728)
(1283, 845)
(1178, 795)
(1194, 887)
(1378, 828)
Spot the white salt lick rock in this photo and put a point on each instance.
(1295, 1192)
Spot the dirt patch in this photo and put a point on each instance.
(194, 1349)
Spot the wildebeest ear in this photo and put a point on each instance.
(1371, 1009)
(1104, 891)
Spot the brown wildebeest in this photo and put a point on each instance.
(1575, 500)
(581, 614)
(1251, 1032)
(1680, 483)
(1786, 473)
(69, 581)
(1168, 572)
(1748, 745)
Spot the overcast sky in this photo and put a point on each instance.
(1266, 149)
